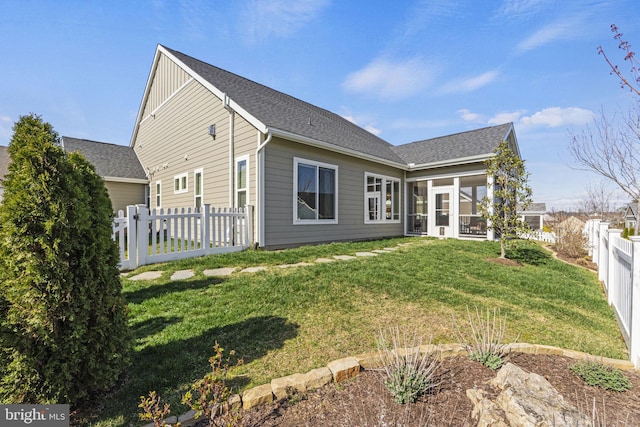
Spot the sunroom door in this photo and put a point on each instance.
(442, 212)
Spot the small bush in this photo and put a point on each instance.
(209, 395)
(153, 410)
(407, 373)
(599, 375)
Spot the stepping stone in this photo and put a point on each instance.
(344, 257)
(182, 275)
(147, 275)
(253, 269)
(381, 251)
(366, 254)
(219, 272)
(299, 264)
(391, 249)
(325, 260)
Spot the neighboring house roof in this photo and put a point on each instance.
(534, 208)
(473, 145)
(631, 211)
(112, 162)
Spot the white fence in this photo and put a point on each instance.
(146, 237)
(540, 236)
(618, 263)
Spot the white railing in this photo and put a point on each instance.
(148, 237)
(618, 261)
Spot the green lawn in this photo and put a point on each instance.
(284, 321)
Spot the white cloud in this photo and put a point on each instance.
(563, 29)
(516, 8)
(470, 84)
(505, 117)
(468, 116)
(279, 18)
(391, 80)
(555, 117)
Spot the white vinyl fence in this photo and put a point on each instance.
(618, 263)
(148, 237)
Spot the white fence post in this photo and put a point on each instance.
(603, 252)
(612, 286)
(248, 215)
(634, 333)
(142, 219)
(132, 237)
(205, 224)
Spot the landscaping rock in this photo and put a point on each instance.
(219, 272)
(485, 411)
(343, 369)
(528, 399)
(371, 360)
(317, 378)
(282, 387)
(257, 396)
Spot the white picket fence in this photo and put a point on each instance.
(147, 237)
(540, 236)
(618, 261)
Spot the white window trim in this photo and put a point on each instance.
(158, 194)
(195, 186)
(247, 180)
(296, 221)
(179, 179)
(382, 199)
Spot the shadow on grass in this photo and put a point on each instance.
(169, 368)
(529, 255)
(153, 290)
(153, 326)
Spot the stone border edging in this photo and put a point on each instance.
(349, 367)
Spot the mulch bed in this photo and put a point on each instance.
(364, 400)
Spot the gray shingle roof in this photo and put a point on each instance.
(284, 112)
(534, 208)
(457, 146)
(110, 160)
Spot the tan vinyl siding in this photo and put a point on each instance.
(279, 228)
(176, 141)
(123, 194)
(168, 79)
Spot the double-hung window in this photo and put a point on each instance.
(197, 188)
(180, 183)
(315, 192)
(242, 181)
(158, 194)
(382, 199)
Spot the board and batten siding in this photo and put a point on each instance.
(172, 76)
(280, 230)
(123, 194)
(175, 141)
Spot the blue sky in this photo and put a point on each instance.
(405, 70)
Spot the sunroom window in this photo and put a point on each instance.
(315, 192)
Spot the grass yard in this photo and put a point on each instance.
(291, 320)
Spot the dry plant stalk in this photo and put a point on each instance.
(406, 371)
(484, 341)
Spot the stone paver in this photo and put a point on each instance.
(299, 264)
(381, 251)
(344, 257)
(324, 260)
(253, 269)
(182, 275)
(219, 272)
(147, 275)
(391, 249)
(361, 254)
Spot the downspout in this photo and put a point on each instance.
(231, 149)
(260, 218)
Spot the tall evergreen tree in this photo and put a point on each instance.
(511, 192)
(63, 325)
